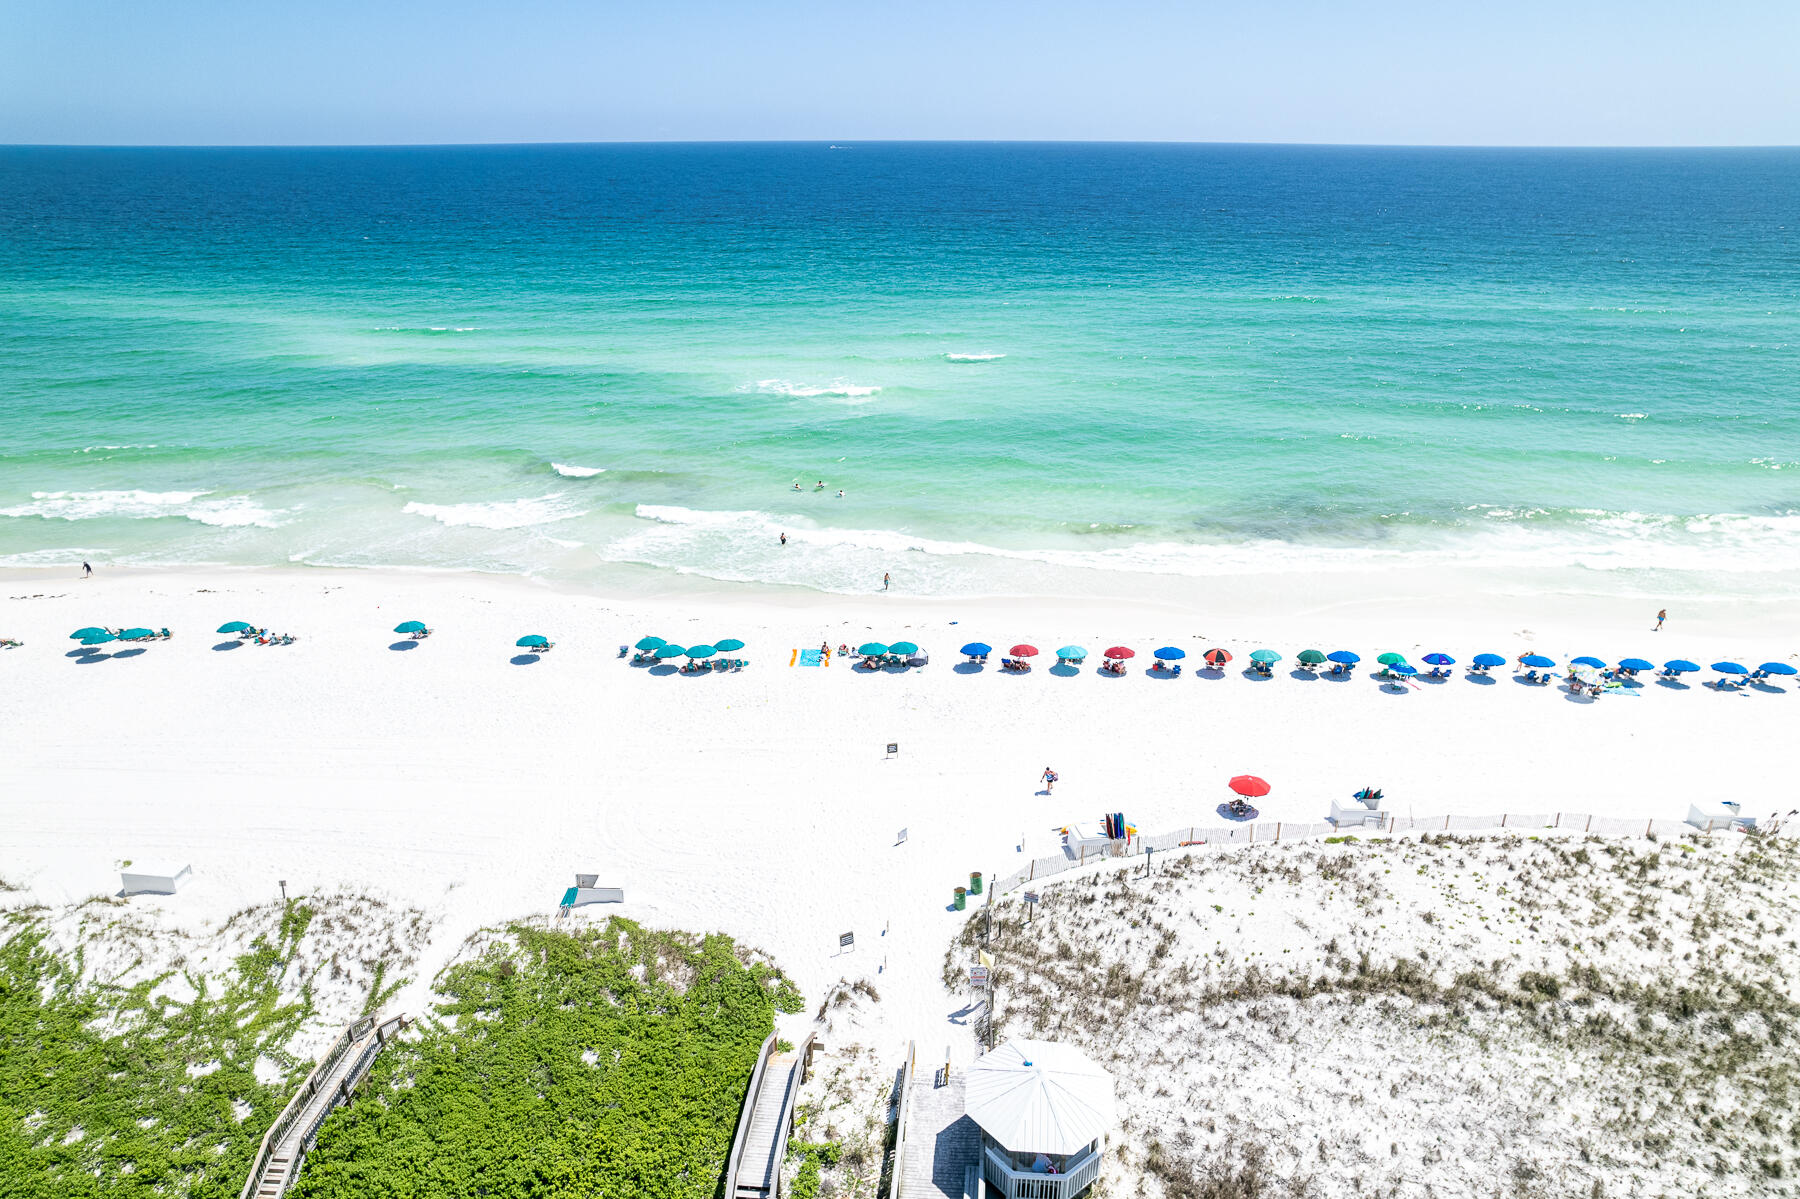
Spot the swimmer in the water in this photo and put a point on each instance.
(821, 486)
(840, 493)
(796, 485)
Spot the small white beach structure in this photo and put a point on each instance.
(1359, 812)
(1042, 1108)
(154, 878)
(1718, 814)
(585, 891)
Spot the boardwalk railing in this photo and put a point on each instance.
(747, 1115)
(1276, 830)
(902, 1111)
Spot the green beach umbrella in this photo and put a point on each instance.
(905, 649)
(871, 649)
(729, 645)
(134, 634)
(78, 634)
(98, 637)
(533, 641)
(701, 651)
(234, 626)
(1392, 659)
(669, 651)
(1265, 655)
(410, 626)
(1311, 657)
(650, 644)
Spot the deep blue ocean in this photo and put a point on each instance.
(1016, 362)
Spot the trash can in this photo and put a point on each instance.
(962, 898)
(975, 883)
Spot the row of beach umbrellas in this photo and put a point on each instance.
(92, 636)
(658, 648)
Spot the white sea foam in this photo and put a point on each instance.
(855, 393)
(1632, 415)
(974, 357)
(500, 514)
(225, 511)
(577, 472)
(97, 449)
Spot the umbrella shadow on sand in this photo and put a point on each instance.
(226, 645)
(1303, 674)
(90, 659)
(1063, 670)
(1770, 688)
(400, 647)
(1673, 684)
(1480, 680)
(966, 668)
(524, 659)
(128, 653)
(1256, 676)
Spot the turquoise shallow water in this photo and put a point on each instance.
(1015, 361)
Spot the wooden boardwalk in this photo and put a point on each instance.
(766, 1143)
(943, 1146)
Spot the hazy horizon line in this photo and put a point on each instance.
(851, 143)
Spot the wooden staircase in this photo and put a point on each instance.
(754, 1171)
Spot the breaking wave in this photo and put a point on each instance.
(224, 512)
(500, 514)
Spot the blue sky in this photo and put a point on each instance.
(1603, 72)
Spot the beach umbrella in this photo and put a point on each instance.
(976, 649)
(78, 634)
(1265, 655)
(1391, 659)
(98, 637)
(701, 651)
(1439, 660)
(1120, 651)
(1343, 657)
(1024, 651)
(906, 648)
(234, 626)
(1216, 657)
(730, 645)
(1311, 657)
(1729, 668)
(669, 651)
(871, 649)
(1077, 652)
(533, 641)
(1250, 786)
(1489, 660)
(1170, 653)
(135, 634)
(1537, 661)
(410, 626)
(1596, 663)
(651, 644)
(1776, 668)
(1403, 670)
(1680, 666)
(1636, 664)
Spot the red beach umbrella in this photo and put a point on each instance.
(1249, 785)
(1024, 651)
(1119, 651)
(1218, 657)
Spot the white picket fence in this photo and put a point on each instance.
(1263, 831)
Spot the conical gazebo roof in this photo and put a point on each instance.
(1040, 1097)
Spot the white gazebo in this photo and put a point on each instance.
(1042, 1108)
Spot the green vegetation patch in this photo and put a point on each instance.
(605, 1063)
(97, 1096)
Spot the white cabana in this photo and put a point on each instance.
(1042, 1108)
(1718, 814)
(154, 878)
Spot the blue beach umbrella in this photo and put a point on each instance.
(669, 651)
(1729, 668)
(1075, 652)
(1170, 653)
(1680, 666)
(1776, 668)
(728, 646)
(1489, 660)
(976, 649)
(234, 626)
(1343, 657)
(1403, 670)
(1635, 664)
(1596, 663)
(533, 641)
(410, 626)
(1439, 660)
(78, 634)
(651, 644)
(1537, 661)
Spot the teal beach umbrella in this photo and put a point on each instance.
(135, 634)
(701, 651)
(100, 637)
(78, 634)
(234, 626)
(1073, 652)
(669, 651)
(729, 645)
(1392, 659)
(1265, 655)
(651, 644)
(410, 626)
(871, 649)
(903, 648)
(1311, 657)
(533, 641)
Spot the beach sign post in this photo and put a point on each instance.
(901, 839)
(893, 749)
(978, 977)
(846, 942)
(1031, 902)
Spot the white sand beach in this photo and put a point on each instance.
(762, 802)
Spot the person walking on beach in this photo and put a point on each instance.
(885, 579)
(1048, 778)
(87, 572)
(1661, 615)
